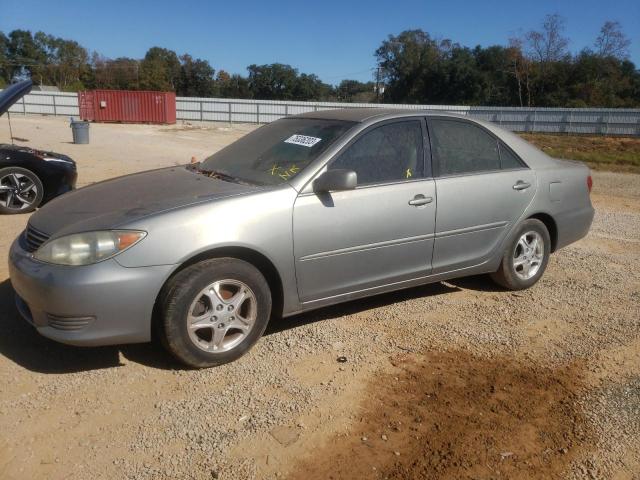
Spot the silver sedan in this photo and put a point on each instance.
(304, 212)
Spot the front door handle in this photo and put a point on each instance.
(420, 200)
(520, 185)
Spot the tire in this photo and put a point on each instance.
(206, 296)
(520, 267)
(21, 190)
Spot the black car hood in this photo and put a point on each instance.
(13, 93)
(116, 202)
(6, 148)
(21, 148)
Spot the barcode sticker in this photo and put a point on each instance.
(303, 140)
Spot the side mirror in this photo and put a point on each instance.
(335, 180)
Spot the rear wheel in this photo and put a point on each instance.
(213, 312)
(21, 190)
(525, 258)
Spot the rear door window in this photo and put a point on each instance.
(460, 147)
(508, 159)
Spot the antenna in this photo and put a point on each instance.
(10, 129)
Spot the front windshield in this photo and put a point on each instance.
(276, 152)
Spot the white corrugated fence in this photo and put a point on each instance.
(601, 121)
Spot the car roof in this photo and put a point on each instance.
(365, 114)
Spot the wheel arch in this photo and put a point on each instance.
(551, 225)
(255, 258)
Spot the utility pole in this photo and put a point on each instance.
(378, 84)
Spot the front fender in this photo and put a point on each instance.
(261, 222)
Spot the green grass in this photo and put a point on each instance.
(599, 152)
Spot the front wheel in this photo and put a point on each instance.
(21, 190)
(525, 258)
(213, 312)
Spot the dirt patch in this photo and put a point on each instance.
(621, 204)
(612, 245)
(454, 415)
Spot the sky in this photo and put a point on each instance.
(333, 39)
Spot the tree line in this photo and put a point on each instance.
(50, 60)
(533, 69)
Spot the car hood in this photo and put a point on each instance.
(44, 155)
(13, 93)
(114, 203)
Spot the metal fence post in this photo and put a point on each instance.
(229, 107)
(24, 106)
(55, 111)
(257, 113)
(201, 114)
(570, 121)
(286, 109)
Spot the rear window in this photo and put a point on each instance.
(278, 151)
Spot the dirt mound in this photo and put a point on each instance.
(453, 415)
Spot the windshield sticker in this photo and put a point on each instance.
(302, 140)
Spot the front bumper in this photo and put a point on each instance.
(63, 181)
(100, 304)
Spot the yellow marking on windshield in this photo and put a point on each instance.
(282, 173)
(409, 174)
(274, 169)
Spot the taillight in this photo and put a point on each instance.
(589, 183)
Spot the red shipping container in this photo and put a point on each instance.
(127, 106)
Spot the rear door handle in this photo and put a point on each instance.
(520, 185)
(420, 200)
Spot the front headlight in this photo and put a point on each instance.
(87, 248)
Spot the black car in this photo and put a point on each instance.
(29, 177)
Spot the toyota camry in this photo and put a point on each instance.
(304, 212)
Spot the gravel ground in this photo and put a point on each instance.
(131, 412)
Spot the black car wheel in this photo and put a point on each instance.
(21, 191)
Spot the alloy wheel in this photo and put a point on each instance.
(222, 315)
(17, 191)
(528, 255)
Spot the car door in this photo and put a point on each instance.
(379, 233)
(483, 189)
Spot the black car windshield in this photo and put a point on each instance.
(276, 152)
